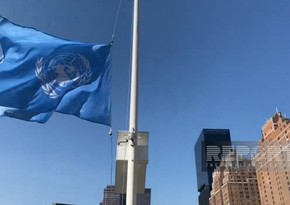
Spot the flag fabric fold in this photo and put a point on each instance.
(41, 74)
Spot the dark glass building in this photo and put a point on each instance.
(113, 198)
(61, 204)
(210, 147)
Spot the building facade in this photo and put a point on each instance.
(112, 198)
(235, 182)
(211, 145)
(272, 161)
(61, 204)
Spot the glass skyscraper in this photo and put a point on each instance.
(210, 147)
(113, 198)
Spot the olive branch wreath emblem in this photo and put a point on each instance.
(50, 88)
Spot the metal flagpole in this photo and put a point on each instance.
(131, 195)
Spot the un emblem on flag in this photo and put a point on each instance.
(62, 72)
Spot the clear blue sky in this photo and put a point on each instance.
(203, 64)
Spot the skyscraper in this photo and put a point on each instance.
(113, 198)
(235, 182)
(272, 161)
(211, 145)
(61, 204)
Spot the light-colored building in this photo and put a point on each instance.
(272, 161)
(235, 182)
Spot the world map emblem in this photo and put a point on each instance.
(61, 72)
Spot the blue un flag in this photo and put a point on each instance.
(41, 74)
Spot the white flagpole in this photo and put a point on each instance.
(131, 195)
